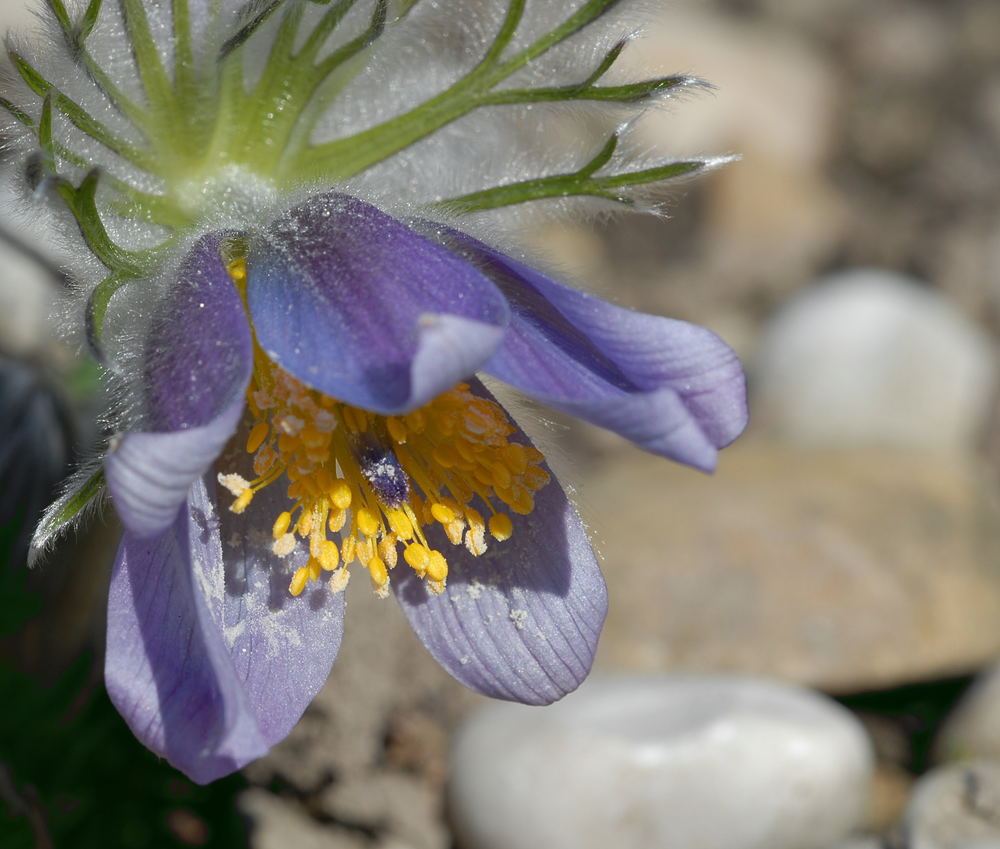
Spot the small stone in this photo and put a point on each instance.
(393, 805)
(709, 761)
(972, 731)
(866, 842)
(872, 357)
(843, 569)
(956, 807)
(276, 823)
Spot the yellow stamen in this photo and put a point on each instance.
(329, 555)
(241, 503)
(299, 580)
(237, 270)
(418, 557)
(257, 436)
(443, 513)
(437, 569)
(281, 524)
(501, 527)
(435, 470)
(378, 571)
(367, 523)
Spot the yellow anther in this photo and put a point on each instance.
(378, 571)
(483, 475)
(304, 524)
(281, 525)
(437, 569)
(501, 475)
(237, 270)
(241, 503)
(329, 555)
(501, 527)
(324, 481)
(443, 513)
(416, 421)
(418, 557)
(516, 457)
(400, 524)
(315, 570)
(364, 551)
(236, 484)
(264, 459)
(338, 580)
(535, 478)
(340, 494)
(299, 581)
(523, 502)
(397, 430)
(348, 549)
(368, 523)
(444, 456)
(338, 518)
(475, 537)
(257, 436)
(454, 531)
(313, 438)
(283, 545)
(386, 549)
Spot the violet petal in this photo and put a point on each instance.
(669, 386)
(199, 354)
(521, 621)
(360, 307)
(199, 357)
(209, 659)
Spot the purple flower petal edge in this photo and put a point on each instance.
(669, 386)
(362, 308)
(198, 362)
(209, 660)
(521, 621)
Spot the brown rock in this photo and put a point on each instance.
(846, 570)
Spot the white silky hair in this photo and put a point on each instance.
(418, 56)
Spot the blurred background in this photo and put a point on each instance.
(849, 543)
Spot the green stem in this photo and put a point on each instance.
(343, 158)
(579, 183)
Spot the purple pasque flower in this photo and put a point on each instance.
(271, 205)
(347, 369)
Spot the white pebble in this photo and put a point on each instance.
(873, 357)
(713, 762)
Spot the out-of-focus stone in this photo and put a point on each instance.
(860, 843)
(843, 569)
(773, 92)
(707, 761)
(956, 807)
(399, 806)
(872, 357)
(890, 791)
(276, 823)
(972, 730)
(772, 216)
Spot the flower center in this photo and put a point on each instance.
(379, 482)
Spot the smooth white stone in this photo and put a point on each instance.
(680, 762)
(872, 357)
(972, 730)
(956, 807)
